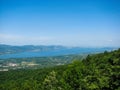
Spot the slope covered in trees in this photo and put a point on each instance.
(96, 72)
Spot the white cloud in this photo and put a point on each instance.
(110, 40)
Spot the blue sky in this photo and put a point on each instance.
(94, 23)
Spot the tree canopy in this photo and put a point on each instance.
(96, 72)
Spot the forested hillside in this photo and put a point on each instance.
(96, 72)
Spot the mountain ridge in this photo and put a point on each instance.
(8, 51)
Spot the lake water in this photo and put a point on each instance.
(52, 53)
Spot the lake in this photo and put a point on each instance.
(54, 52)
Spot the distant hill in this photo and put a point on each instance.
(8, 49)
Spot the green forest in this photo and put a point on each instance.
(95, 72)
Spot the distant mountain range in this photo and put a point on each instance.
(8, 51)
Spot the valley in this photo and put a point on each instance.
(34, 57)
(37, 62)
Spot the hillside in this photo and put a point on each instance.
(37, 62)
(96, 72)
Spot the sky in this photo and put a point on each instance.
(84, 23)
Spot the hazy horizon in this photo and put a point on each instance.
(83, 23)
